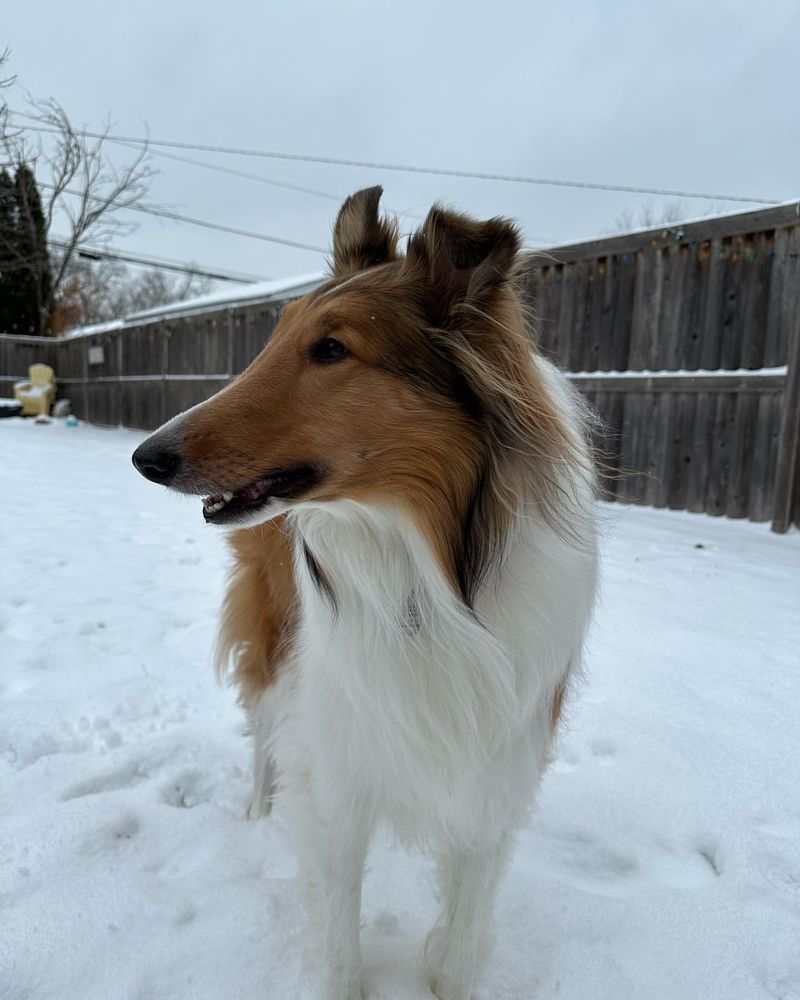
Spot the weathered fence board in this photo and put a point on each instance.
(787, 464)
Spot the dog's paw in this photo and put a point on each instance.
(448, 977)
(446, 987)
(341, 992)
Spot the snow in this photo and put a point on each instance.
(699, 373)
(257, 291)
(663, 862)
(661, 227)
(33, 391)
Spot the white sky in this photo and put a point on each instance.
(686, 95)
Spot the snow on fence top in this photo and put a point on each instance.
(259, 291)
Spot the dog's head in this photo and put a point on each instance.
(393, 381)
(359, 392)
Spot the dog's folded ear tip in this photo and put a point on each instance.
(465, 258)
(367, 197)
(361, 237)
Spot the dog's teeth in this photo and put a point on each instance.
(227, 497)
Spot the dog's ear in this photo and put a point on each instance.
(361, 237)
(465, 261)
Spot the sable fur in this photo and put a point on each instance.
(259, 615)
(404, 631)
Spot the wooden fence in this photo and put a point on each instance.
(685, 339)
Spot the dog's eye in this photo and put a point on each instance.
(329, 349)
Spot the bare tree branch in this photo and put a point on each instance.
(98, 290)
(5, 81)
(83, 184)
(647, 216)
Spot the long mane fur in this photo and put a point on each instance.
(531, 457)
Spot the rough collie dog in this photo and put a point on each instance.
(414, 566)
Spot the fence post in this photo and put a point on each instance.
(165, 401)
(120, 383)
(231, 328)
(788, 457)
(85, 377)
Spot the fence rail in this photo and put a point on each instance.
(685, 339)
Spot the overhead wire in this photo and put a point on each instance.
(206, 224)
(217, 167)
(165, 264)
(437, 171)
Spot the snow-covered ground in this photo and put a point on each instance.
(663, 862)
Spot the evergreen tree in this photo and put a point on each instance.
(32, 286)
(34, 279)
(8, 285)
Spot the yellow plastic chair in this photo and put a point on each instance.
(37, 394)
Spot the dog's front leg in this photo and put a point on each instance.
(341, 855)
(460, 942)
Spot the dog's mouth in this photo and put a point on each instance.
(282, 484)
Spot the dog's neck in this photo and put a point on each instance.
(369, 559)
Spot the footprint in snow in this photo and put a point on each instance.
(780, 830)
(587, 864)
(785, 986)
(190, 560)
(111, 835)
(182, 622)
(603, 751)
(781, 874)
(185, 914)
(563, 765)
(129, 774)
(186, 790)
(124, 829)
(89, 628)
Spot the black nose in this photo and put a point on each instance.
(155, 462)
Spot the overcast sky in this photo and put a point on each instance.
(695, 95)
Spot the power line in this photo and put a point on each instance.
(196, 163)
(217, 226)
(218, 167)
(91, 253)
(438, 171)
(220, 227)
(339, 198)
(233, 172)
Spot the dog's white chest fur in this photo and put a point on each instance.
(436, 718)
